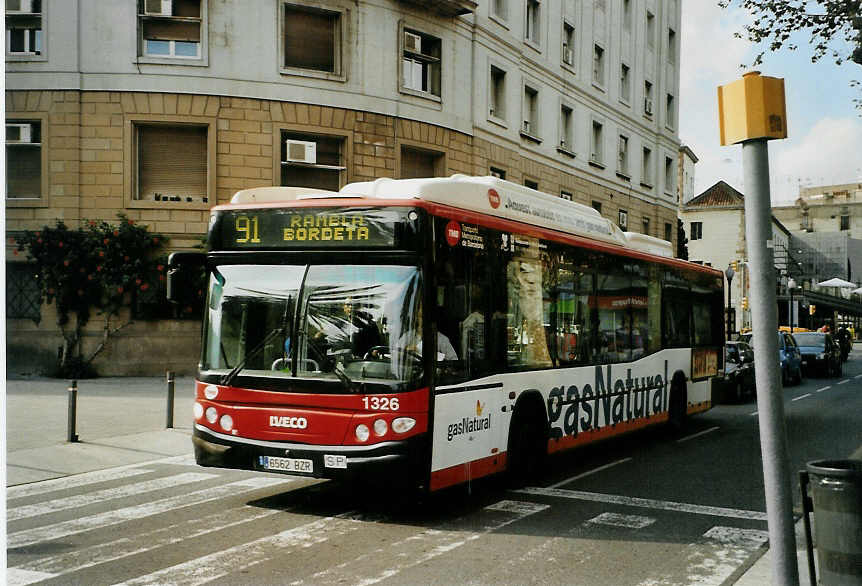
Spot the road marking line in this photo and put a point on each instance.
(826, 388)
(102, 553)
(753, 413)
(18, 577)
(618, 520)
(32, 489)
(91, 498)
(858, 376)
(698, 434)
(133, 513)
(846, 380)
(442, 541)
(800, 397)
(645, 503)
(588, 473)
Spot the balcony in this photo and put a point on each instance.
(447, 8)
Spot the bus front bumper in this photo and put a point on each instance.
(223, 451)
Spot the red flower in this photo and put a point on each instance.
(119, 289)
(102, 253)
(60, 244)
(137, 281)
(160, 268)
(99, 268)
(92, 222)
(65, 263)
(39, 240)
(161, 277)
(105, 241)
(126, 258)
(131, 222)
(144, 287)
(15, 252)
(116, 232)
(155, 240)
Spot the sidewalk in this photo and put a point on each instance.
(120, 421)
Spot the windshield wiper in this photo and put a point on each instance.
(346, 380)
(229, 377)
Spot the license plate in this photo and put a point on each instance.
(335, 461)
(286, 464)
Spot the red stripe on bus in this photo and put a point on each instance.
(570, 441)
(468, 471)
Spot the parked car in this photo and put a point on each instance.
(821, 353)
(789, 357)
(738, 370)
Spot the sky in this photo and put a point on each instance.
(824, 144)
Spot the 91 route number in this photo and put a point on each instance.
(381, 403)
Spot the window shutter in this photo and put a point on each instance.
(172, 161)
(23, 171)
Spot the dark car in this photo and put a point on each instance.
(738, 370)
(821, 353)
(789, 357)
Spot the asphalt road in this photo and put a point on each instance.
(655, 508)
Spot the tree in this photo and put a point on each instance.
(100, 267)
(681, 240)
(835, 26)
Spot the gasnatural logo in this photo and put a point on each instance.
(469, 424)
(290, 422)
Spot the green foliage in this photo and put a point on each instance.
(835, 26)
(99, 265)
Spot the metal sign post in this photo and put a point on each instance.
(752, 111)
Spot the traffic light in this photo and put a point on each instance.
(745, 303)
(812, 309)
(735, 265)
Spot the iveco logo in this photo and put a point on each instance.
(291, 422)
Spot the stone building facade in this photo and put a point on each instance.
(160, 110)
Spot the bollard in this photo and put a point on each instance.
(836, 499)
(169, 420)
(71, 436)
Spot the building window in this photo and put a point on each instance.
(668, 231)
(669, 183)
(312, 39)
(597, 205)
(670, 109)
(566, 195)
(497, 97)
(566, 129)
(23, 28)
(170, 28)
(531, 112)
(312, 160)
(496, 172)
(646, 169)
(23, 159)
(845, 222)
(531, 184)
(598, 65)
(671, 45)
(650, 29)
(623, 219)
(22, 292)
(420, 63)
(568, 50)
(171, 162)
(531, 25)
(627, 15)
(417, 162)
(646, 226)
(500, 9)
(647, 98)
(696, 230)
(623, 155)
(596, 140)
(625, 83)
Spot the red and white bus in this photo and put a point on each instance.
(445, 328)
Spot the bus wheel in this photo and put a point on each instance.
(677, 404)
(528, 445)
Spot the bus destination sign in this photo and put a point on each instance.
(309, 228)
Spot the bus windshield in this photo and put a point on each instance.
(349, 323)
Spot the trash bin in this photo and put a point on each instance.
(836, 500)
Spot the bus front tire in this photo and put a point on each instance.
(528, 446)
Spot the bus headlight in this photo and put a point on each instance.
(226, 422)
(380, 427)
(362, 432)
(199, 410)
(403, 424)
(212, 414)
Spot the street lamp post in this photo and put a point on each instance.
(729, 272)
(791, 285)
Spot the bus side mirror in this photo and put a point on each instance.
(183, 281)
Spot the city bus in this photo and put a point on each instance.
(437, 330)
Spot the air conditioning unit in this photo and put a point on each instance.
(301, 151)
(158, 7)
(19, 133)
(20, 7)
(412, 42)
(648, 106)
